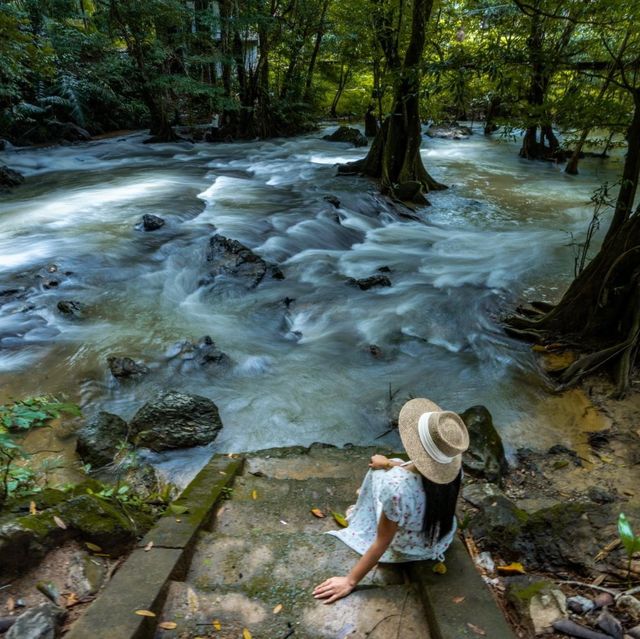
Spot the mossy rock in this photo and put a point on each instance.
(25, 539)
(485, 457)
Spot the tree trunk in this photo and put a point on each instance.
(342, 83)
(601, 309)
(316, 50)
(394, 157)
(489, 121)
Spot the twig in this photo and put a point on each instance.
(601, 588)
(379, 622)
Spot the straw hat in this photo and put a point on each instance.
(434, 439)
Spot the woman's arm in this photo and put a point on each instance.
(381, 462)
(338, 587)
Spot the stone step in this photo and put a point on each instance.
(260, 505)
(277, 563)
(368, 613)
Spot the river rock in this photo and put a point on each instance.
(123, 367)
(538, 602)
(86, 574)
(152, 222)
(333, 200)
(347, 134)
(9, 177)
(580, 605)
(176, 420)
(452, 131)
(634, 632)
(630, 606)
(369, 282)
(609, 624)
(485, 456)
(71, 308)
(568, 627)
(203, 353)
(100, 439)
(40, 622)
(231, 259)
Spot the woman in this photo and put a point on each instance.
(406, 511)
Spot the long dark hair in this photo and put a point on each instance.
(440, 507)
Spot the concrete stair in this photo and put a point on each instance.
(266, 551)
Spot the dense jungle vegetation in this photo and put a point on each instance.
(566, 74)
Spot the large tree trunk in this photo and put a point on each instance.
(394, 157)
(600, 312)
(314, 53)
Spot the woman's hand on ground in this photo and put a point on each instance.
(333, 589)
(378, 462)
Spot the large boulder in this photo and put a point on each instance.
(100, 439)
(347, 134)
(175, 420)
(231, 259)
(40, 622)
(9, 177)
(485, 457)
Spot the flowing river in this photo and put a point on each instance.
(302, 371)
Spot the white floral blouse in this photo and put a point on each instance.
(399, 494)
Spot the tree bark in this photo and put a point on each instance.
(394, 157)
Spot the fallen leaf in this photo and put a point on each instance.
(168, 625)
(11, 604)
(59, 522)
(538, 348)
(177, 509)
(216, 624)
(192, 600)
(246, 634)
(440, 568)
(145, 613)
(32, 508)
(282, 521)
(148, 547)
(103, 554)
(254, 494)
(316, 512)
(92, 547)
(340, 519)
(514, 568)
(221, 472)
(598, 580)
(72, 600)
(277, 609)
(457, 600)
(477, 629)
(178, 520)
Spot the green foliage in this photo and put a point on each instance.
(16, 419)
(630, 541)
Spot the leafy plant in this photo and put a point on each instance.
(16, 418)
(630, 541)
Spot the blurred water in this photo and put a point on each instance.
(303, 370)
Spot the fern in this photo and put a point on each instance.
(69, 87)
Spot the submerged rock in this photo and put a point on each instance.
(9, 178)
(485, 457)
(122, 367)
(176, 420)
(369, 282)
(230, 258)
(100, 439)
(40, 622)
(347, 134)
(452, 131)
(71, 308)
(152, 222)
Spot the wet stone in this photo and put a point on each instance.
(40, 622)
